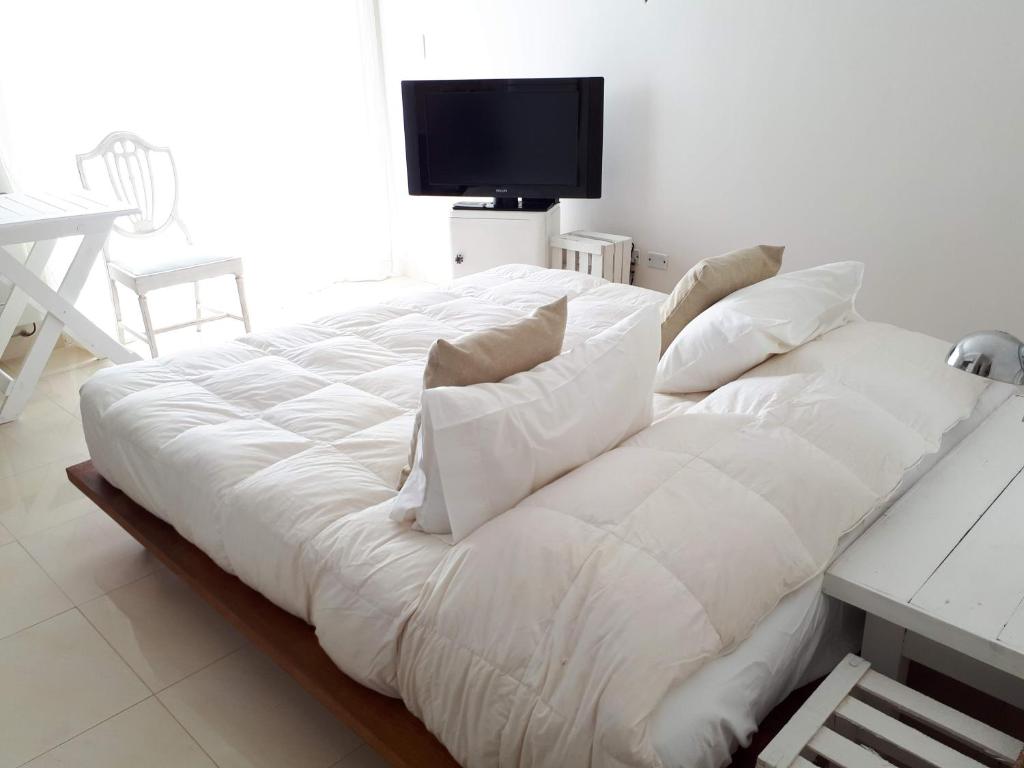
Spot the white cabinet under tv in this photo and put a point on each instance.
(485, 238)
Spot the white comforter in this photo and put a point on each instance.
(548, 636)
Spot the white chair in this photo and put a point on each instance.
(152, 187)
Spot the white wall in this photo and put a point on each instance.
(890, 131)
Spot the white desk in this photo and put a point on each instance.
(944, 568)
(39, 220)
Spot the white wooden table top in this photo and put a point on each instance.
(23, 213)
(947, 560)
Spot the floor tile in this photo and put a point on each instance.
(38, 499)
(43, 434)
(89, 556)
(145, 735)
(67, 357)
(247, 713)
(364, 757)
(159, 626)
(62, 386)
(10, 494)
(5, 536)
(27, 594)
(58, 678)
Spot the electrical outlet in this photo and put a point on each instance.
(657, 260)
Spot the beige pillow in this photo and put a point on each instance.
(493, 355)
(711, 280)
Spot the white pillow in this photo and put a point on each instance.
(756, 322)
(484, 448)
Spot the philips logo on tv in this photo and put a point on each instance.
(501, 190)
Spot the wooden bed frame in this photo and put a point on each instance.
(383, 722)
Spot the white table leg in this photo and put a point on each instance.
(60, 311)
(17, 300)
(78, 325)
(883, 647)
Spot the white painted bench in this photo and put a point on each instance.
(858, 718)
(593, 253)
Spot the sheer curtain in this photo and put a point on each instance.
(275, 112)
(31, 313)
(5, 178)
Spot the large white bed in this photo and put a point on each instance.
(278, 454)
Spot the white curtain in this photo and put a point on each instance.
(5, 177)
(275, 113)
(6, 185)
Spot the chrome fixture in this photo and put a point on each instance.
(994, 355)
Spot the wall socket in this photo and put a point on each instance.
(657, 260)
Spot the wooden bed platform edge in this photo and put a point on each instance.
(383, 722)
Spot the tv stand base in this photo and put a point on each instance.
(485, 237)
(539, 204)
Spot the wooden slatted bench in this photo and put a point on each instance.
(593, 253)
(858, 718)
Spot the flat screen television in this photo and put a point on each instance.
(538, 139)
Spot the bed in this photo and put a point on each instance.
(276, 456)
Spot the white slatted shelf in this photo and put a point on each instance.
(937, 715)
(838, 723)
(593, 253)
(840, 750)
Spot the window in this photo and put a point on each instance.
(274, 111)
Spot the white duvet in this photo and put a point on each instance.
(550, 634)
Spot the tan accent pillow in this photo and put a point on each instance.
(493, 355)
(711, 280)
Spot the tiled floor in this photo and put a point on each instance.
(106, 659)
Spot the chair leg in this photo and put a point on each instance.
(199, 309)
(242, 304)
(116, 301)
(147, 322)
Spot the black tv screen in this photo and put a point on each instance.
(530, 138)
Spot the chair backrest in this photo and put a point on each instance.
(137, 180)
